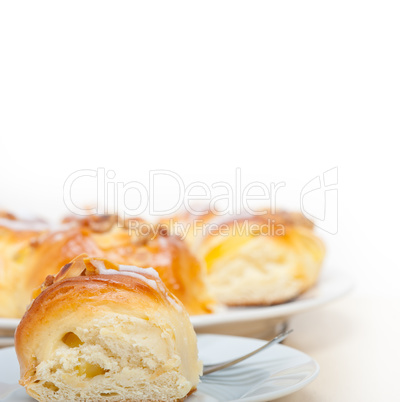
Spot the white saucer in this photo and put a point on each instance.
(270, 374)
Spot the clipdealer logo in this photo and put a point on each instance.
(324, 213)
(221, 197)
(318, 197)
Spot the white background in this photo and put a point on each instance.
(283, 90)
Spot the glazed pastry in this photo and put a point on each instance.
(28, 254)
(16, 239)
(138, 243)
(256, 259)
(100, 331)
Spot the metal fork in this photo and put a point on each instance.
(211, 368)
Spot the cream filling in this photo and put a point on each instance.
(115, 353)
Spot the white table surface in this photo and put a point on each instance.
(356, 343)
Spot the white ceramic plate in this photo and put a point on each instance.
(331, 285)
(270, 374)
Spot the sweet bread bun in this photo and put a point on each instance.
(100, 331)
(138, 243)
(16, 239)
(256, 259)
(28, 254)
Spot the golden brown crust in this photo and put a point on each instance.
(17, 240)
(79, 283)
(85, 291)
(43, 253)
(177, 267)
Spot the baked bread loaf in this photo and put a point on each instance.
(99, 331)
(29, 253)
(255, 259)
(17, 237)
(137, 242)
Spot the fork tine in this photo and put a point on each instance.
(211, 368)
